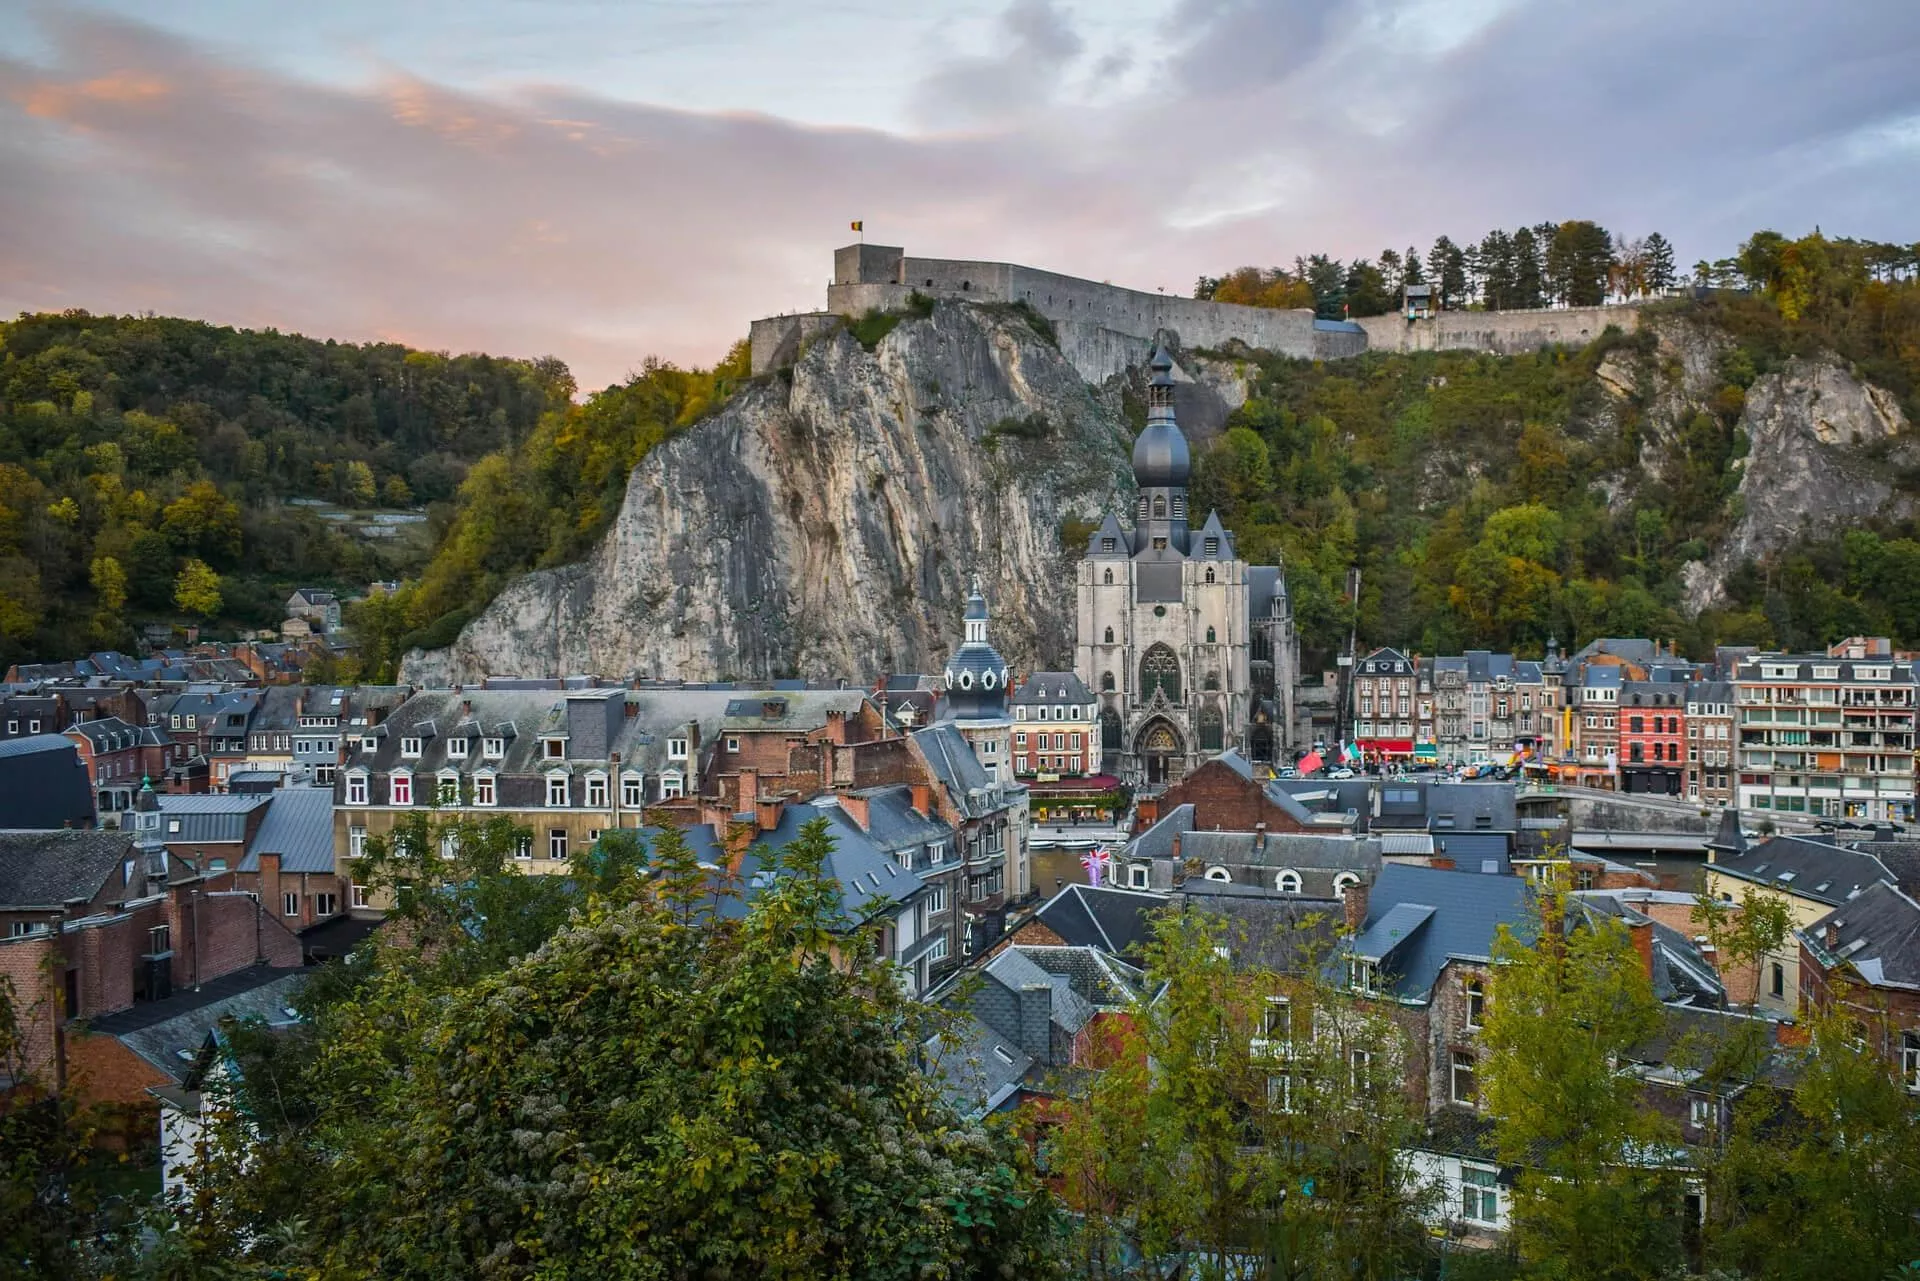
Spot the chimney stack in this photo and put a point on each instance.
(1642, 932)
(858, 809)
(749, 792)
(923, 799)
(1354, 898)
(1833, 936)
(766, 812)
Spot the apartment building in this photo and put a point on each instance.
(1652, 736)
(1056, 728)
(1485, 706)
(1710, 739)
(1385, 714)
(1825, 736)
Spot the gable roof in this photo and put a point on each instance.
(1052, 687)
(43, 783)
(298, 826)
(1419, 918)
(1877, 934)
(49, 869)
(1112, 919)
(170, 1033)
(1805, 867)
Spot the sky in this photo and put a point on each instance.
(604, 180)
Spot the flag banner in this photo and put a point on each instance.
(1310, 762)
(1096, 861)
(859, 226)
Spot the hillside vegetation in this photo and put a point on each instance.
(147, 466)
(1502, 501)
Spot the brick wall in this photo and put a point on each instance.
(1223, 799)
(25, 964)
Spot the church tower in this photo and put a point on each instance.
(1173, 627)
(977, 681)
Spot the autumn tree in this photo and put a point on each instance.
(1564, 1008)
(197, 589)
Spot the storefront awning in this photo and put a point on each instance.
(1426, 751)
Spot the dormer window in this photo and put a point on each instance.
(402, 788)
(632, 794)
(410, 748)
(495, 748)
(483, 790)
(356, 795)
(456, 749)
(670, 785)
(554, 749)
(369, 744)
(557, 791)
(676, 749)
(449, 789)
(1361, 975)
(596, 791)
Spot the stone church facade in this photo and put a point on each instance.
(1189, 650)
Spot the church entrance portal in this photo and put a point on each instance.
(1161, 754)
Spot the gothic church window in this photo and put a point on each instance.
(1109, 635)
(1109, 577)
(1106, 682)
(1160, 670)
(1110, 730)
(1211, 735)
(1213, 680)
(1209, 630)
(1209, 573)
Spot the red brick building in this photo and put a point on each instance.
(118, 756)
(1653, 737)
(1226, 794)
(1865, 956)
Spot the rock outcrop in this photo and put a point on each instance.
(826, 522)
(1823, 448)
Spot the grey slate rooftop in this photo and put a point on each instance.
(1418, 918)
(1878, 934)
(1806, 867)
(48, 869)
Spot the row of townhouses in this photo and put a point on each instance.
(1827, 735)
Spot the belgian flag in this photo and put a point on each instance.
(859, 226)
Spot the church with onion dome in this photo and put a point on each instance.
(1190, 650)
(978, 683)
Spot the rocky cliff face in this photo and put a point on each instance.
(1822, 450)
(826, 523)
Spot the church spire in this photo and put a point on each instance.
(1161, 467)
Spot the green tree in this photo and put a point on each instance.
(1661, 275)
(203, 522)
(656, 1090)
(1565, 1007)
(197, 589)
(1579, 260)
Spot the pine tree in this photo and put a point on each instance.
(1529, 274)
(1660, 270)
(1414, 274)
(1449, 267)
(1497, 266)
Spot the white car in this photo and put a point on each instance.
(1343, 772)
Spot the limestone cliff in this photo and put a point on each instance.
(826, 522)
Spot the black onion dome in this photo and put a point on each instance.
(1160, 458)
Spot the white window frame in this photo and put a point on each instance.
(733, 745)
(562, 786)
(1484, 1189)
(676, 749)
(325, 904)
(410, 748)
(494, 747)
(1140, 876)
(290, 903)
(1287, 881)
(357, 894)
(938, 952)
(1472, 1067)
(633, 790)
(446, 787)
(558, 843)
(356, 840)
(456, 749)
(1218, 873)
(399, 781)
(486, 789)
(935, 904)
(672, 785)
(356, 790)
(597, 792)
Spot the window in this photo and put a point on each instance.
(357, 895)
(557, 790)
(495, 748)
(1344, 882)
(1476, 1003)
(449, 844)
(938, 952)
(173, 824)
(1479, 1194)
(1106, 682)
(1699, 1112)
(326, 904)
(1910, 1060)
(1139, 876)
(356, 841)
(216, 865)
(1360, 1071)
(1109, 632)
(483, 793)
(410, 748)
(1287, 882)
(402, 789)
(1210, 630)
(1777, 983)
(557, 844)
(1280, 1092)
(670, 785)
(448, 792)
(936, 902)
(523, 846)
(733, 745)
(596, 791)
(356, 795)
(1466, 1089)
(456, 749)
(1360, 974)
(1219, 874)
(1160, 671)
(290, 904)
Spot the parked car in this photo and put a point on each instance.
(1342, 772)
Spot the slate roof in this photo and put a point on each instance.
(956, 768)
(1878, 934)
(1418, 918)
(211, 819)
(1285, 933)
(43, 783)
(976, 1067)
(869, 881)
(48, 869)
(1471, 807)
(1112, 919)
(159, 1031)
(1045, 688)
(1805, 867)
(1682, 974)
(1157, 841)
(107, 734)
(1475, 851)
(298, 826)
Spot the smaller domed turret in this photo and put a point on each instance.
(976, 676)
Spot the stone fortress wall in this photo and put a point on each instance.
(1105, 329)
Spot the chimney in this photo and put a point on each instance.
(1176, 847)
(836, 726)
(923, 799)
(766, 812)
(1260, 839)
(1441, 862)
(1643, 944)
(270, 882)
(857, 809)
(749, 792)
(1833, 936)
(1354, 897)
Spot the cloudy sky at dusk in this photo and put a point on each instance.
(604, 179)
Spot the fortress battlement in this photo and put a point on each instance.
(1106, 329)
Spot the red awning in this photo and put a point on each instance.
(1397, 746)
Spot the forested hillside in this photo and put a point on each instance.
(1500, 501)
(158, 468)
